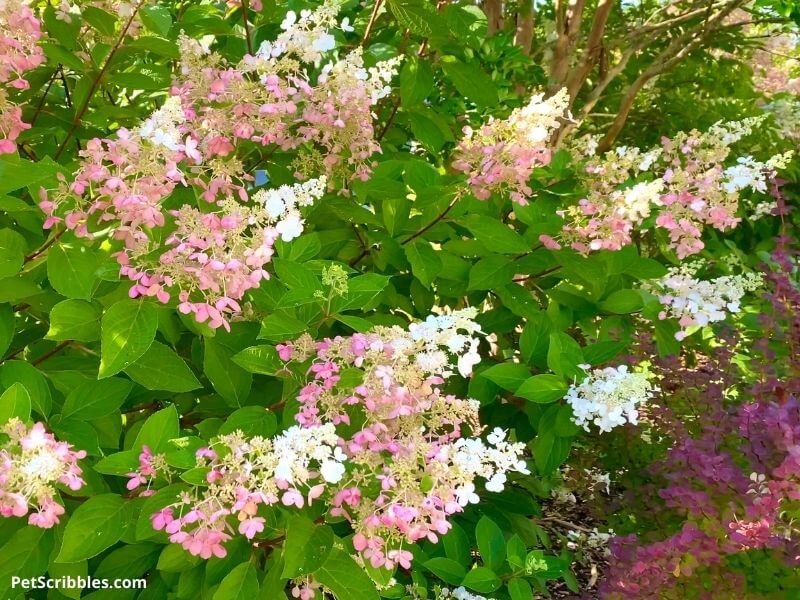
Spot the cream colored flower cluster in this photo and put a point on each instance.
(697, 302)
(609, 397)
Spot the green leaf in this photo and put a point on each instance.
(519, 589)
(363, 292)
(307, 547)
(646, 268)
(516, 550)
(126, 332)
(79, 569)
(95, 399)
(16, 173)
(95, 525)
(263, 360)
(295, 275)
(279, 327)
(481, 579)
(158, 430)
(471, 81)
(416, 81)
(542, 389)
(175, 559)
(119, 463)
(61, 55)
(74, 320)
(229, 379)
(12, 252)
(99, 19)
(490, 272)
(549, 451)
(25, 555)
(491, 543)
(508, 376)
(425, 262)
(252, 421)
(7, 327)
(416, 16)
(495, 235)
(564, 355)
(535, 339)
(156, 45)
(426, 132)
(72, 270)
(160, 368)
(240, 584)
(78, 433)
(446, 569)
(456, 545)
(622, 302)
(157, 19)
(344, 578)
(15, 402)
(356, 323)
(601, 352)
(132, 560)
(19, 371)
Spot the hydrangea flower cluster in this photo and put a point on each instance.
(695, 302)
(377, 440)
(684, 181)
(20, 31)
(459, 593)
(609, 397)
(216, 114)
(293, 469)
(500, 156)
(32, 462)
(150, 466)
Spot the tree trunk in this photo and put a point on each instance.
(494, 15)
(523, 36)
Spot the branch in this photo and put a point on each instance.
(678, 49)
(372, 18)
(594, 44)
(45, 246)
(247, 34)
(568, 25)
(523, 35)
(96, 82)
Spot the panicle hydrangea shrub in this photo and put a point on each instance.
(688, 183)
(378, 442)
(32, 463)
(216, 114)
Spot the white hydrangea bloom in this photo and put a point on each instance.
(454, 331)
(696, 302)
(635, 203)
(746, 173)
(459, 593)
(471, 457)
(281, 205)
(609, 397)
(297, 447)
(305, 36)
(162, 128)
